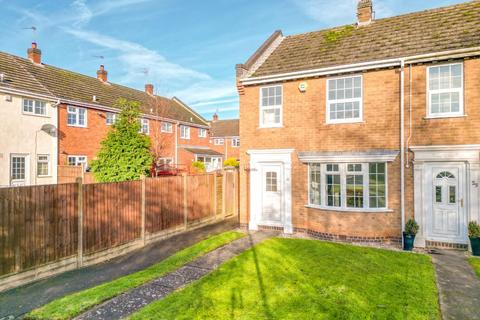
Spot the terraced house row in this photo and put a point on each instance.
(350, 131)
(51, 116)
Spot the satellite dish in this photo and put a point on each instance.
(49, 129)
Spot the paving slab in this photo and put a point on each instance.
(18, 301)
(458, 285)
(125, 304)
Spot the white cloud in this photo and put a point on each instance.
(83, 13)
(215, 102)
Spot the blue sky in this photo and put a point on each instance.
(185, 48)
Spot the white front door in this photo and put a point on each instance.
(19, 170)
(272, 190)
(446, 221)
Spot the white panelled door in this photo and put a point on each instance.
(446, 219)
(272, 190)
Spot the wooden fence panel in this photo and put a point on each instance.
(219, 194)
(163, 203)
(230, 200)
(38, 225)
(200, 197)
(112, 214)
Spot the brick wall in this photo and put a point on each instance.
(305, 129)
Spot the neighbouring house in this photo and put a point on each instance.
(225, 136)
(60, 117)
(350, 131)
(28, 126)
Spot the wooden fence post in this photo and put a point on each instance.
(224, 188)
(237, 192)
(143, 209)
(185, 203)
(215, 194)
(79, 182)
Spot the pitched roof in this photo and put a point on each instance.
(429, 31)
(44, 79)
(204, 151)
(225, 128)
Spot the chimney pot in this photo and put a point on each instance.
(149, 89)
(102, 74)
(34, 54)
(364, 12)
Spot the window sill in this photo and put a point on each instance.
(354, 210)
(43, 177)
(344, 122)
(166, 131)
(36, 115)
(76, 126)
(444, 117)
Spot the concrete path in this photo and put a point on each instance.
(127, 303)
(16, 302)
(458, 285)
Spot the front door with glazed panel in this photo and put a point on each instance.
(446, 221)
(272, 194)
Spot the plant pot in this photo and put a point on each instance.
(408, 240)
(475, 242)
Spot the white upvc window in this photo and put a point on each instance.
(144, 126)
(76, 117)
(218, 141)
(445, 90)
(348, 186)
(34, 107)
(77, 161)
(202, 132)
(271, 105)
(236, 142)
(185, 132)
(111, 118)
(167, 127)
(344, 100)
(43, 165)
(165, 162)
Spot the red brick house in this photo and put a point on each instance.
(225, 137)
(350, 131)
(86, 109)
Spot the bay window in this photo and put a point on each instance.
(348, 186)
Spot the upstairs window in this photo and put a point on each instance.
(202, 133)
(76, 117)
(35, 107)
(111, 118)
(185, 132)
(144, 126)
(344, 100)
(236, 142)
(271, 106)
(167, 127)
(77, 161)
(445, 90)
(218, 142)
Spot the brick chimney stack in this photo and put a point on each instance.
(102, 74)
(35, 54)
(364, 12)
(149, 89)
(215, 117)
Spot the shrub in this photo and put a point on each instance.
(231, 162)
(473, 229)
(198, 167)
(411, 227)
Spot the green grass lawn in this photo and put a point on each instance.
(305, 279)
(69, 306)
(475, 262)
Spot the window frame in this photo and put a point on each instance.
(218, 141)
(262, 125)
(187, 135)
(144, 123)
(343, 172)
(77, 117)
(170, 126)
(328, 120)
(235, 145)
(114, 118)
(47, 161)
(461, 91)
(33, 113)
(202, 132)
(76, 160)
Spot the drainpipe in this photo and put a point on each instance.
(402, 142)
(410, 132)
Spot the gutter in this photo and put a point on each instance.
(362, 66)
